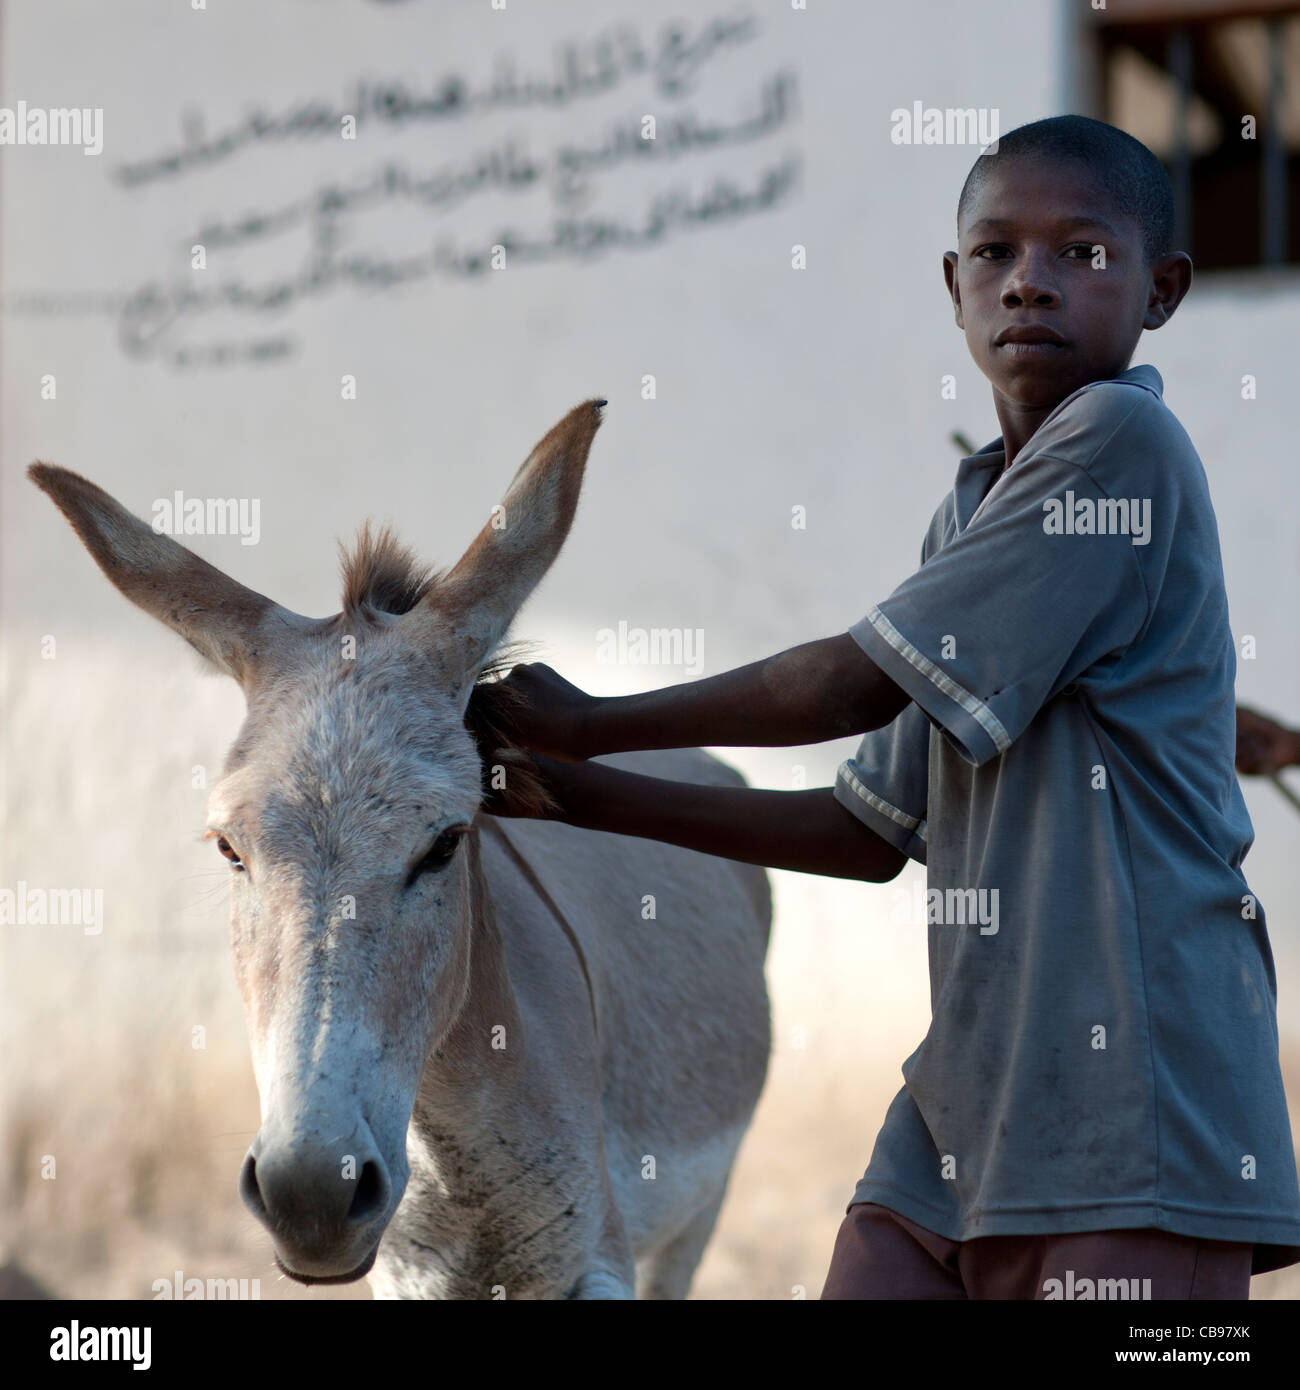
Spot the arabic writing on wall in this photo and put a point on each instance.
(553, 185)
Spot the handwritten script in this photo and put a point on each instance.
(325, 224)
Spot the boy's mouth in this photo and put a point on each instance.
(1029, 340)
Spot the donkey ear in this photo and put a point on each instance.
(468, 612)
(217, 617)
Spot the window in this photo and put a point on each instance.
(1214, 89)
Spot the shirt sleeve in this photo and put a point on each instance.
(1012, 610)
(886, 782)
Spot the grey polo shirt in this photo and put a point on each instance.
(1103, 1050)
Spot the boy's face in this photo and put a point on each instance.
(1024, 269)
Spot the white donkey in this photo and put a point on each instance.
(485, 1069)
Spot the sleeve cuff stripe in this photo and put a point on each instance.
(878, 804)
(977, 709)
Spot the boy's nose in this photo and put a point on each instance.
(1031, 280)
(1029, 289)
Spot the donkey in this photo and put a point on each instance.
(485, 1069)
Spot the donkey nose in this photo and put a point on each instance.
(317, 1192)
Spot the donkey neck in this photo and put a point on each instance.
(469, 1118)
(483, 1049)
(504, 1140)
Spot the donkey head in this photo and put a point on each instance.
(340, 809)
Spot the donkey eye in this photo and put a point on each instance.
(227, 852)
(440, 852)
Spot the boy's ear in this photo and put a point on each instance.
(1171, 278)
(954, 289)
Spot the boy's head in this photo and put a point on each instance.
(1065, 236)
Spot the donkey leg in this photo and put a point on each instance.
(609, 1271)
(669, 1271)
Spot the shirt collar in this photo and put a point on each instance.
(978, 472)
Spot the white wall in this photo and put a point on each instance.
(776, 388)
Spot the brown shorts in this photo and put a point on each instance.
(880, 1254)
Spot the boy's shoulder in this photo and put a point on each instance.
(1121, 432)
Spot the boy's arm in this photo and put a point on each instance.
(807, 831)
(817, 691)
(1264, 746)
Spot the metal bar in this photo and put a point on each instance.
(1119, 14)
(1286, 791)
(1180, 69)
(1272, 191)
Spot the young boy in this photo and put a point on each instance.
(1049, 720)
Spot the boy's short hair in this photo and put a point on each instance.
(1133, 176)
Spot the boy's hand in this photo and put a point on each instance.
(540, 710)
(1263, 745)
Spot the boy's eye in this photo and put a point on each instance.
(1083, 249)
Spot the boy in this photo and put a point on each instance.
(1049, 725)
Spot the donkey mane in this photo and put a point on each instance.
(381, 575)
(490, 718)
